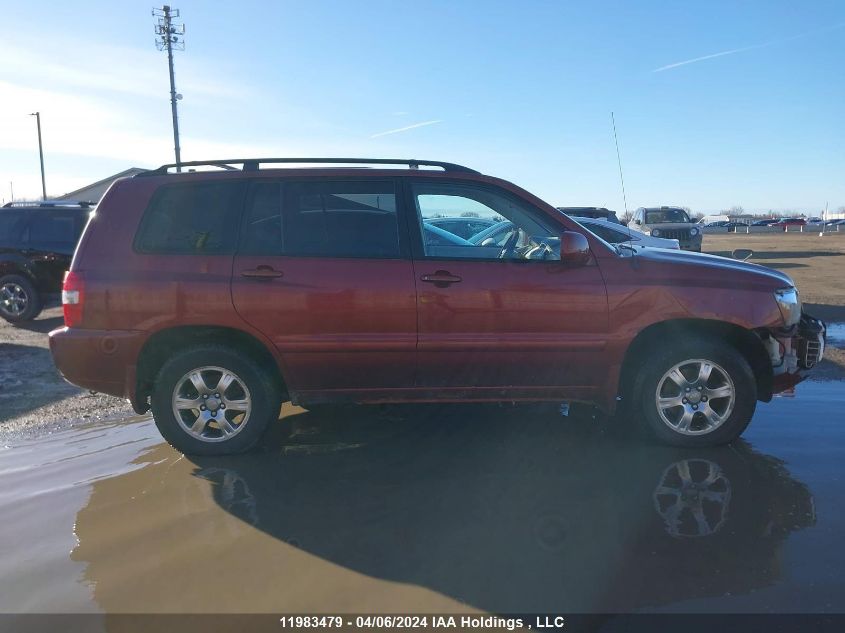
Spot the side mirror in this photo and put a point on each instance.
(574, 248)
(638, 221)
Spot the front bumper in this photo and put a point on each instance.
(796, 350)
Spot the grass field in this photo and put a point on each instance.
(817, 264)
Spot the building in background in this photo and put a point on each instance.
(95, 191)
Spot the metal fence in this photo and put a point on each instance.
(772, 229)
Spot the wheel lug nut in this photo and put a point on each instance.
(685, 400)
(695, 406)
(704, 398)
(216, 395)
(700, 387)
(687, 389)
(205, 396)
(202, 407)
(222, 406)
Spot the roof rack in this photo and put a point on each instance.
(252, 164)
(50, 204)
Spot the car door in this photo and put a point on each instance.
(324, 271)
(491, 320)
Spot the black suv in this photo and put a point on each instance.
(37, 241)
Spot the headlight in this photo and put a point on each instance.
(693, 231)
(789, 304)
(655, 232)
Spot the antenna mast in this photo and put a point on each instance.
(619, 161)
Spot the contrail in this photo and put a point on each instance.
(747, 48)
(406, 128)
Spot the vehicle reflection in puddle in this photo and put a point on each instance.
(414, 509)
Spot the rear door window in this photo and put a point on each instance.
(322, 219)
(196, 218)
(56, 230)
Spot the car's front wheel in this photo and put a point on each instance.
(213, 400)
(19, 301)
(696, 393)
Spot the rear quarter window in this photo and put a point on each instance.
(192, 218)
(11, 228)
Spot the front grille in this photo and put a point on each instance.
(808, 350)
(674, 234)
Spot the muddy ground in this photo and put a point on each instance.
(33, 395)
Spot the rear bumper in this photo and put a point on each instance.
(99, 360)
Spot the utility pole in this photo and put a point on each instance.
(37, 116)
(170, 38)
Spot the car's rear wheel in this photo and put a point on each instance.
(213, 400)
(696, 393)
(19, 300)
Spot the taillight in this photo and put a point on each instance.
(72, 295)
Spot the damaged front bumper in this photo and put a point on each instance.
(794, 350)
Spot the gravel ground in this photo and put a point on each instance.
(33, 394)
(34, 397)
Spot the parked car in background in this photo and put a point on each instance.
(436, 236)
(621, 234)
(611, 233)
(37, 241)
(765, 222)
(668, 222)
(815, 222)
(787, 222)
(462, 227)
(725, 224)
(210, 297)
(598, 213)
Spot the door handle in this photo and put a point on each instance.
(441, 278)
(262, 272)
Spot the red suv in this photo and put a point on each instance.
(213, 296)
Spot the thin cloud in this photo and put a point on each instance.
(406, 128)
(746, 48)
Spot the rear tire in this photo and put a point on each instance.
(695, 393)
(19, 300)
(214, 400)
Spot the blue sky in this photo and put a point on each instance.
(520, 90)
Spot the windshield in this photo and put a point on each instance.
(664, 216)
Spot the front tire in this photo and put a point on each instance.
(696, 393)
(19, 300)
(213, 400)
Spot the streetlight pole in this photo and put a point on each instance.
(37, 116)
(168, 39)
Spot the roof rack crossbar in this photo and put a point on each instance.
(252, 164)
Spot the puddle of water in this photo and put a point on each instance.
(441, 509)
(836, 334)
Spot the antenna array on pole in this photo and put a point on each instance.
(170, 37)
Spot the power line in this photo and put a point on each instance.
(170, 38)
